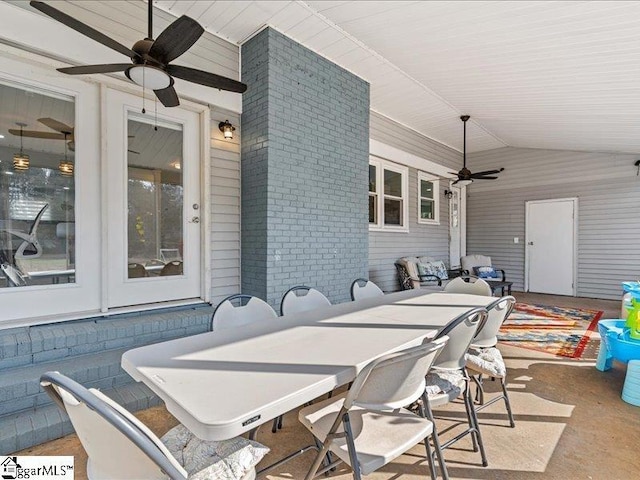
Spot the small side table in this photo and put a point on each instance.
(500, 285)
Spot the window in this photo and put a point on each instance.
(428, 199)
(388, 191)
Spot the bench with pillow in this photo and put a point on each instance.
(480, 266)
(422, 272)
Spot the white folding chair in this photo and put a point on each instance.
(363, 288)
(301, 299)
(121, 447)
(484, 358)
(448, 378)
(470, 285)
(238, 310)
(367, 427)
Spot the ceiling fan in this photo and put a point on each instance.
(62, 132)
(150, 65)
(465, 177)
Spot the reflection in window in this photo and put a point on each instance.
(154, 199)
(37, 198)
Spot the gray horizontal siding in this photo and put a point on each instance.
(432, 240)
(225, 208)
(608, 193)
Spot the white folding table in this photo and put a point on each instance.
(224, 383)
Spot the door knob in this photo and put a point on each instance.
(195, 220)
(529, 243)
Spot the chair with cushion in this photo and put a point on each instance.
(367, 426)
(484, 359)
(448, 378)
(238, 310)
(174, 267)
(468, 284)
(362, 288)
(421, 272)
(136, 270)
(121, 447)
(480, 266)
(301, 299)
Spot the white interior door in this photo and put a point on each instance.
(551, 246)
(153, 202)
(456, 227)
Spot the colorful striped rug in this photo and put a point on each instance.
(564, 332)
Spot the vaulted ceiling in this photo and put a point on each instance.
(559, 75)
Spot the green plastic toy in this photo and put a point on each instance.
(633, 319)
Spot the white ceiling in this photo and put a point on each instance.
(559, 75)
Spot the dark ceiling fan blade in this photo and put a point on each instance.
(104, 68)
(176, 39)
(37, 134)
(205, 78)
(82, 28)
(489, 172)
(56, 125)
(484, 178)
(168, 96)
(133, 151)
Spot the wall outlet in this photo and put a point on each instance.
(516, 240)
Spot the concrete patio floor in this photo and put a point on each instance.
(570, 423)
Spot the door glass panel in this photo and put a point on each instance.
(37, 188)
(373, 208)
(155, 204)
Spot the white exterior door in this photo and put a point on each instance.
(153, 202)
(551, 246)
(456, 227)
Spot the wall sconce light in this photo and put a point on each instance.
(65, 166)
(21, 160)
(227, 129)
(448, 194)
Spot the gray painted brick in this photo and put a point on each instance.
(309, 185)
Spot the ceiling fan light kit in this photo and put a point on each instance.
(465, 177)
(21, 160)
(150, 65)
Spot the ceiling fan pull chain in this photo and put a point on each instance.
(143, 109)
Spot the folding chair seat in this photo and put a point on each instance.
(121, 447)
(367, 426)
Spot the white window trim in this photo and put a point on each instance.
(382, 165)
(422, 176)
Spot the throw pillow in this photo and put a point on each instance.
(440, 270)
(486, 272)
(425, 269)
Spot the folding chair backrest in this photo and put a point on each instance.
(238, 310)
(301, 299)
(460, 331)
(470, 285)
(362, 288)
(118, 445)
(396, 379)
(498, 312)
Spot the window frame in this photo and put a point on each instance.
(435, 180)
(381, 166)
